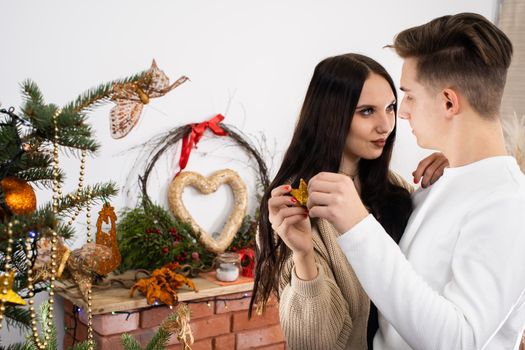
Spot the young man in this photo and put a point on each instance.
(457, 278)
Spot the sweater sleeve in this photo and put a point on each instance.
(398, 180)
(313, 314)
(488, 278)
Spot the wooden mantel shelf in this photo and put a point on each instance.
(118, 298)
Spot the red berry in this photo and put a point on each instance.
(165, 250)
(195, 256)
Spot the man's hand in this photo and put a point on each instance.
(334, 197)
(430, 169)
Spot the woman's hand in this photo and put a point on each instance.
(290, 221)
(334, 197)
(430, 169)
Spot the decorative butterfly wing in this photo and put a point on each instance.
(126, 91)
(131, 97)
(158, 83)
(155, 81)
(124, 116)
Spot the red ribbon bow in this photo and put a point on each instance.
(197, 131)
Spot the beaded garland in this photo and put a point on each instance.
(5, 284)
(57, 194)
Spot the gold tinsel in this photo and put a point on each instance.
(18, 195)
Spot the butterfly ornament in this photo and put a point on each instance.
(130, 98)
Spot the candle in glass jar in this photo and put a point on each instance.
(228, 266)
(227, 272)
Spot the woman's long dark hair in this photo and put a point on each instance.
(317, 145)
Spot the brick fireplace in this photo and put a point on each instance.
(216, 323)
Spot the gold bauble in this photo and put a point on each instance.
(19, 195)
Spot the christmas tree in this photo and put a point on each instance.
(31, 140)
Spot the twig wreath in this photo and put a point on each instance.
(190, 134)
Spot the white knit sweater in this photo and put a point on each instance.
(457, 279)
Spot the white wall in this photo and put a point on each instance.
(250, 60)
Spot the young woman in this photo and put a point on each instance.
(347, 125)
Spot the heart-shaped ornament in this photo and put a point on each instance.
(207, 186)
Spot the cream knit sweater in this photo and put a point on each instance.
(330, 311)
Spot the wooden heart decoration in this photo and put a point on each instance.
(207, 186)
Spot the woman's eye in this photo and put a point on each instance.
(391, 108)
(366, 111)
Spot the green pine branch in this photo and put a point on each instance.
(48, 326)
(99, 193)
(31, 92)
(82, 346)
(36, 160)
(18, 346)
(97, 96)
(74, 132)
(17, 317)
(158, 342)
(130, 343)
(40, 177)
(45, 323)
(35, 125)
(160, 339)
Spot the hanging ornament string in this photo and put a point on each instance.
(79, 187)
(7, 277)
(197, 131)
(89, 295)
(57, 195)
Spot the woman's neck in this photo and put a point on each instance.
(349, 166)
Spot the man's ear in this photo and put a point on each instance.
(451, 102)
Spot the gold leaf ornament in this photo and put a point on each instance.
(207, 186)
(162, 285)
(301, 193)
